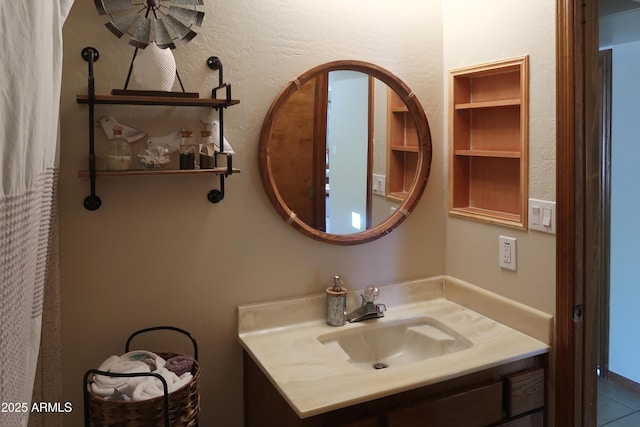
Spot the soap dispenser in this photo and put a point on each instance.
(336, 303)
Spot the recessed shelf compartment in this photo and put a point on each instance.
(487, 104)
(488, 153)
(402, 148)
(488, 142)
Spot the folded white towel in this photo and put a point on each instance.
(152, 387)
(136, 388)
(129, 363)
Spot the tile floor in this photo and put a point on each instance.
(617, 407)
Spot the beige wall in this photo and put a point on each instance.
(494, 30)
(158, 252)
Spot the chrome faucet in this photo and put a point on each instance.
(368, 309)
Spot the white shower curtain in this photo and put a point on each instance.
(30, 78)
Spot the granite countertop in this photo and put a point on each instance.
(282, 338)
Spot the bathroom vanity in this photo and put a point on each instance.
(446, 353)
(511, 395)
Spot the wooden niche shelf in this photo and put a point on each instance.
(488, 142)
(402, 148)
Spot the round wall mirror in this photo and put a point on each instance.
(345, 152)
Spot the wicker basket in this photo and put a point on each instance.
(180, 409)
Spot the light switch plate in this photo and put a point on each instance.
(542, 216)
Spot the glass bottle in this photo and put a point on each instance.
(118, 152)
(188, 150)
(206, 149)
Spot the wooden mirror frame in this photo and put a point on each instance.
(422, 171)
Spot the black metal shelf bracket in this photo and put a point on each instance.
(215, 63)
(92, 202)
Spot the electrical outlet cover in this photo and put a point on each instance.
(507, 255)
(378, 184)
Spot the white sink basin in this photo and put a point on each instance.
(434, 330)
(386, 344)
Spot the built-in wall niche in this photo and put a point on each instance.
(402, 148)
(488, 142)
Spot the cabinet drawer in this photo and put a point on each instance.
(365, 422)
(476, 407)
(524, 392)
(531, 420)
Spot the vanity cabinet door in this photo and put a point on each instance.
(476, 407)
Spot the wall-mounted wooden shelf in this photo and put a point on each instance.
(402, 148)
(155, 98)
(214, 171)
(488, 142)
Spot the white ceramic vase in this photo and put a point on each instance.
(154, 68)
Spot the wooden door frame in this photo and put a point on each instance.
(370, 129)
(320, 152)
(604, 293)
(577, 196)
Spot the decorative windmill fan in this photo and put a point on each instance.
(159, 21)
